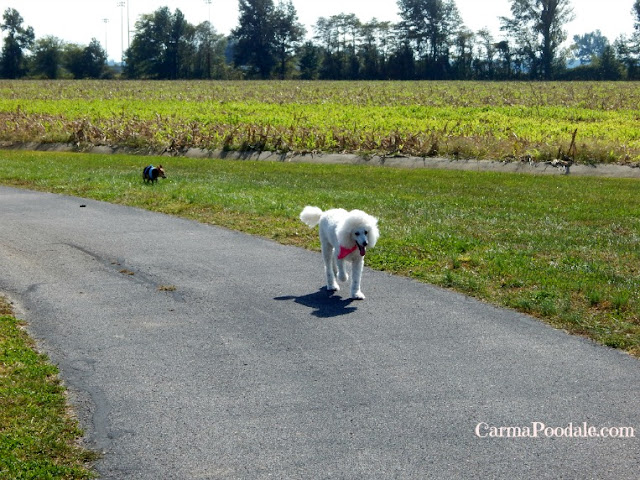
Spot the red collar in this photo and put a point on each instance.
(346, 251)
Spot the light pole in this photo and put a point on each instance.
(121, 5)
(208, 2)
(106, 28)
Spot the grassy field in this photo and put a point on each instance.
(509, 120)
(564, 249)
(38, 439)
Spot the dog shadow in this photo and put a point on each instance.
(325, 303)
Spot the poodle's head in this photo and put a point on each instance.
(360, 229)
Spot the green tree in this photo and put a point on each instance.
(180, 48)
(431, 27)
(310, 55)
(328, 36)
(632, 48)
(504, 64)
(462, 65)
(288, 34)
(161, 46)
(339, 36)
(371, 56)
(254, 38)
(484, 64)
(209, 54)
(18, 39)
(375, 50)
(47, 57)
(608, 65)
(402, 63)
(72, 59)
(94, 60)
(85, 62)
(627, 53)
(589, 46)
(146, 56)
(537, 27)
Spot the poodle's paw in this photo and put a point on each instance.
(343, 276)
(357, 295)
(333, 287)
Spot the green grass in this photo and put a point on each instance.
(38, 438)
(564, 249)
(494, 120)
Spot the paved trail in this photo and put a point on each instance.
(249, 370)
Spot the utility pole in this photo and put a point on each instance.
(208, 2)
(106, 29)
(128, 27)
(121, 4)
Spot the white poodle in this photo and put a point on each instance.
(343, 236)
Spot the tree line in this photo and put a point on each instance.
(429, 42)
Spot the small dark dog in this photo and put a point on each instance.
(151, 173)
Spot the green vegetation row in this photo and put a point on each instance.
(563, 249)
(38, 439)
(512, 121)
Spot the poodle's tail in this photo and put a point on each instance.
(311, 216)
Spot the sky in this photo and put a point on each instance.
(78, 21)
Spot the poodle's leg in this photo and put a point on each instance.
(330, 267)
(343, 276)
(356, 274)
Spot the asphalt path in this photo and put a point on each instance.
(194, 352)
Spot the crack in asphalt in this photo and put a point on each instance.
(120, 266)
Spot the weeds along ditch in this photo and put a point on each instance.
(561, 248)
(480, 120)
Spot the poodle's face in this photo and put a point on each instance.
(360, 236)
(364, 236)
(359, 228)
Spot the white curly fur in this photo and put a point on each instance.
(339, 228)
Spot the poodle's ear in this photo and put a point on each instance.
(343, 232)
(374, 233)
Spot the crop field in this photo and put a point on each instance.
(503, 121)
